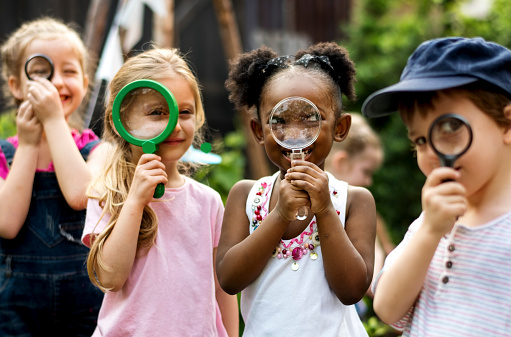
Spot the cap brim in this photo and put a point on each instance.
(194, 155)
(385, 101)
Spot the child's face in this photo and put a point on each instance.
(68, 76)
(316, 92)
(175, 146)
(358, 170)
(481, 161)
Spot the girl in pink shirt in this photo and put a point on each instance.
(154, 259)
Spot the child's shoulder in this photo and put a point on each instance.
(202, 189)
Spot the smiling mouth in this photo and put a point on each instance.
(305, 152)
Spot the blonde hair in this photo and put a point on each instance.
(112, 187)
(45, 28)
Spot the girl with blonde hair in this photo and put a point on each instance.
(45, 171)
(155, 259)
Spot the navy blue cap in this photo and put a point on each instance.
(445, 63)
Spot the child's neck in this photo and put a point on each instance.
(175, 179)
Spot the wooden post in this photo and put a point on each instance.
(231, 41)
(95, 31)
(164, 27)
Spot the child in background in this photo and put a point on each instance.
(44, 176)
(354, 160)
(451, 274)
(334, 246)
(155, 258)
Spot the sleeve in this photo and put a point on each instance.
(95, 221)
(4, 168)
(391, 258)
(82, 139)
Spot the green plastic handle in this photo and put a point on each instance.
(159, 191)
(149, 145)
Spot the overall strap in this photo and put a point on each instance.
(8, 149)
(85, 151)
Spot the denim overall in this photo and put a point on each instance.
(44, 286)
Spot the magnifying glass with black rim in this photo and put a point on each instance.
(39, 66)
(450, 136)
(145, 114)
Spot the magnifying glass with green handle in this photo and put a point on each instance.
(145, 114)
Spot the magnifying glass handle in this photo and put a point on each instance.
(302, 211)
(159, 191)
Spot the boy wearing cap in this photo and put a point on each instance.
(451, 274)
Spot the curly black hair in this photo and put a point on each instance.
(249, 72)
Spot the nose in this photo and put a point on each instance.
(177, 128)
(57, 79)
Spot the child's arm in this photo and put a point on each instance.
(120, 248)
(228, 305)
(348, 253)
(72, 173)
(402, 281)
(16, 189)
(242, 257)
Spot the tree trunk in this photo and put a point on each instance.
(231, 41)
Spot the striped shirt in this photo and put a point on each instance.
(467, 290)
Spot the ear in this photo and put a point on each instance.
(86, 82)
(339, 161)
(257, 130)
(15, 88)
(342, 127)
(507, 130)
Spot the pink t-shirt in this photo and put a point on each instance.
(4, 169)
(170, 290)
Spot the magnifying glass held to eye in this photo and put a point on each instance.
(450, 136)
(145, 113)
(295, 123)
(39, 65)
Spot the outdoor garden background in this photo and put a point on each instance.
(380, 35)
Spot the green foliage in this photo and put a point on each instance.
(375, 328)
(223, 176)
(7, 124)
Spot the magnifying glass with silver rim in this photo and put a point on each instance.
(295, 124)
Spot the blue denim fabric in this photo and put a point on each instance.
(44, 287)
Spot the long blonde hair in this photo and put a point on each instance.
(45, 28)
(112, 187)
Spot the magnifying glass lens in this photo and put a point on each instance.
(295, 123)
(38, 67)
(144, 113)
(450, 136)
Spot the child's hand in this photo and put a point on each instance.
(291, 198)
(45, 100)
(150, 172)
(28, 126)
(309, 177)
(443, 201)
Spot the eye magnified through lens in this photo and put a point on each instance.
(39, 66)
(450, 136)
(145, 113)
(295, 123)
